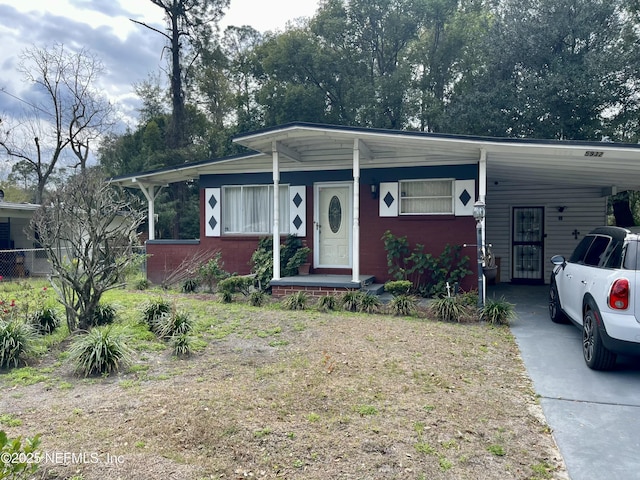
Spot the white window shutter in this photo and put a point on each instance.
(212, 212)
(389, 199)
(298, 211)
(464, 197)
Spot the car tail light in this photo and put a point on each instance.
(619, 294)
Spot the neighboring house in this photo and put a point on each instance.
(18, 257)
(340, 188)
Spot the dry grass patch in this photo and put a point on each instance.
(300, 395)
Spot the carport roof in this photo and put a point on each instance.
(306, 146)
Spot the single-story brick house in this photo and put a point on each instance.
(340, 188)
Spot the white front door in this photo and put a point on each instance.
(333, 224)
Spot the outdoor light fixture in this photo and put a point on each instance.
(560, 209)
(374, 190)
(479, 210)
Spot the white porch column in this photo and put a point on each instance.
(356, 212)
(151, 194)
(276, 211)
(482, 196)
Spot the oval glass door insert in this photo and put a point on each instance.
(335, 214)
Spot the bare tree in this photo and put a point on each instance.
(88, 230)
(71, 115)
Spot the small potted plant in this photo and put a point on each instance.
(490, 269)
(300, 260)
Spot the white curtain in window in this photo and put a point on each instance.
(249, 209)
(426, 197)
(232, 209)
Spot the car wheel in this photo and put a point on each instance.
(555, 309)
(595, 354)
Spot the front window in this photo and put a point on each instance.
(426, 197)
(249, 209)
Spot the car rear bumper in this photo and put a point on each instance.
(621, 333)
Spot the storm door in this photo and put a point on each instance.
(528, 245)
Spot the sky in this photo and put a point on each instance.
(129, 51)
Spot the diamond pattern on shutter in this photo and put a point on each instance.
(389, 200)
(212, 212)
(464, 196)
(297, 210)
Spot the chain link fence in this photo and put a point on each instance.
(33, 262)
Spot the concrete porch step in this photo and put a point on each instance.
(374, 288)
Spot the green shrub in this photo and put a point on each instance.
(262, 259)
(398, 287)
(212, 272)
(104, 314)
(14, 448)
(100, 351)
(15, 341)
(190, 285)
(141, 284)
(327, 303)
(182, 345)
(257, 298)
(403, 305)
(153, 311)
(236, 284)
(44, 321)
(295, 301)
(368, 303)
(174, 323)
(448, 309)
(497, 311)
(427, 273)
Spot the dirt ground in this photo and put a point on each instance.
(296, 395)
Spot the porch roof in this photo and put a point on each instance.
(305, 146)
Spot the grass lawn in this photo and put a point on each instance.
(271, 393)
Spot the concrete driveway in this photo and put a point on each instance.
(595, 416)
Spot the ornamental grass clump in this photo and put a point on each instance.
(295, 301)
(449, 309)
(44, 321)
(100, 351)
(327, 303)
(498, 311)
(174, 324)
(15, 341)
(153, 311)
(104, 314)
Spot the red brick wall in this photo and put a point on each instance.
(280, 291)
(435, 232)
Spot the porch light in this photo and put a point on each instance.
(479, 210)
(374, 190)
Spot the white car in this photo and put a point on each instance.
(597, 290)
